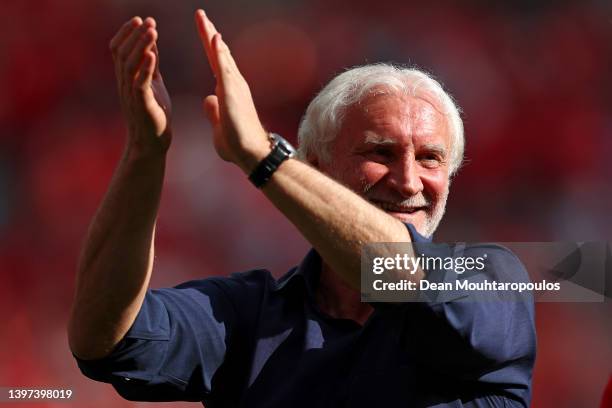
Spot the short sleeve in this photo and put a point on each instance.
(174, 348)
(489, 339)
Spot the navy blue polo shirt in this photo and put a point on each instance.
(250, 340)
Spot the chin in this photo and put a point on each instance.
(416, 218)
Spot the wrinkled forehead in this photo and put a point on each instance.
(401, 95)
(382, 111)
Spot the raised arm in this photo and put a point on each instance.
(117, 257)
(335, 220)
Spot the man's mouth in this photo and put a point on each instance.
(396, 208)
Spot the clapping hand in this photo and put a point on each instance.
(144, 99)
(239, 136)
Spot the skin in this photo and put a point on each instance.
(393, 150)
(116, 261)
(117, 257)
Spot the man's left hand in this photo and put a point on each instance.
(239, 136)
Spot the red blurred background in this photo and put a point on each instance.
(533, 79)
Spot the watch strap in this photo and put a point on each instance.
(281, 151)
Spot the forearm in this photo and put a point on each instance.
(334, 219)
(116, 261)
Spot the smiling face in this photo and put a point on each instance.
(394, 150)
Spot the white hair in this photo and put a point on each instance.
(323, 118)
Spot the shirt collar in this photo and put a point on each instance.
(308, 272)
(415, 235)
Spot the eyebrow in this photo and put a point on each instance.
(434, 148)
(376, 139)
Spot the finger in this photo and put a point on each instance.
(125, 30)
(227, 65)
(145, 43)
(156, 73)
(126, 48)
(211, 108)
(150, 22)
(207, 31)
(147, 68)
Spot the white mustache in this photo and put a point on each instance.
(410, 202)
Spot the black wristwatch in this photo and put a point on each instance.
(281, 151)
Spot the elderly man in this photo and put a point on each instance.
(381, 144)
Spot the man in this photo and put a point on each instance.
(391, 139)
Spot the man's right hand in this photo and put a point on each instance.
(116, 262)
(144, 99)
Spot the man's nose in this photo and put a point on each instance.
(407, 179)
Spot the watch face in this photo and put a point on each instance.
(281, 151)
(284, 145)
(287, 149)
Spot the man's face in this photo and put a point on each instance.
(394, 150)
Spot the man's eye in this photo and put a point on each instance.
(430, 160)
(381, 153)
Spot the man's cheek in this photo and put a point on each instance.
(373, 172)
(436, 186)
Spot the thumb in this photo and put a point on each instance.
(211, 108)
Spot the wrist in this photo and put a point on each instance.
(280, 151)
(137, 153)
(147, 147)
(251, 157)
